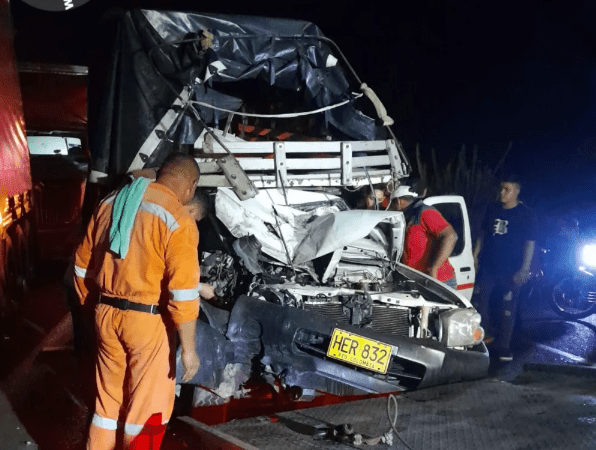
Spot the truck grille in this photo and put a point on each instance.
(393, 320)
(332, 311)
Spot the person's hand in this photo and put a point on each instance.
(207, 292)
(191, 362)
(432, 271)
(521, 277)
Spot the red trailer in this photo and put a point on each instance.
(16, 210)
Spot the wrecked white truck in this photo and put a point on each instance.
(312, 293)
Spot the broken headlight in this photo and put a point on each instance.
(461, 328)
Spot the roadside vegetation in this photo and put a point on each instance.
(466, 175)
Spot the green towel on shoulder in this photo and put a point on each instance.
(124, 211)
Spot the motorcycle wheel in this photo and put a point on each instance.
(572, 299)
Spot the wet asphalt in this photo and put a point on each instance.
(544, 339)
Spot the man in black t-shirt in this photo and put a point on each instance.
(503, 255)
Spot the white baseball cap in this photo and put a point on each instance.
(403, 191)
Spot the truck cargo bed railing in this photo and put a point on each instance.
(303, 164)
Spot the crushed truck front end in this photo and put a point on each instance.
(310, 291)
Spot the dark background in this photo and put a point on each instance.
(449, 73)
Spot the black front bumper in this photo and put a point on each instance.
(287, 334)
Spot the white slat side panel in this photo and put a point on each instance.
(269, 182)
(322, 175)
(371, 146)
(325, 170)
(300, 147)
(264, 164)
(371, 161)
(355, 174)
(207, 166)
(213, 181)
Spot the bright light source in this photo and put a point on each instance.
(589, 255)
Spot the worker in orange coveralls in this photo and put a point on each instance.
(138, 240)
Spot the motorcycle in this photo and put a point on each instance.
(574, 296)
(566, 281)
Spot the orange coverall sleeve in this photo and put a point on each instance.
(81, 263)
(182, 270)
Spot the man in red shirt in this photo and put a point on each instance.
(429, 239)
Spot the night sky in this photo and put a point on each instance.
(449, 72)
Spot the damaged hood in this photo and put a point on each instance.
(294, 236)
(334, 231)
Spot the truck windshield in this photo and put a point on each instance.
(53, 145)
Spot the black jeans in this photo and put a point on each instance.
(497, 301)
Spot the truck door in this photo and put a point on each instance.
(453, 208)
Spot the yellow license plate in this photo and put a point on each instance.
(360, 351)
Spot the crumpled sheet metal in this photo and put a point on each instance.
(257, 216)
(307, 235)
(334, 231)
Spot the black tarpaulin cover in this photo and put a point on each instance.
(157, 54)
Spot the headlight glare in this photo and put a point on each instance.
(589, 255)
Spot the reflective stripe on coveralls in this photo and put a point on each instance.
(184, 295)
(160, 212)
(111, 424)
(102, 422)
(80, 272)
(135, 363)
